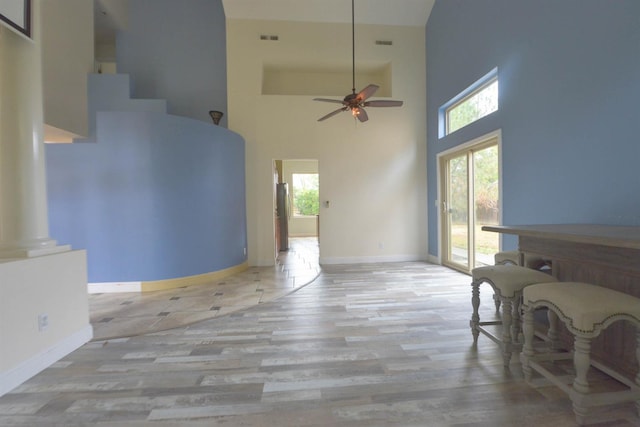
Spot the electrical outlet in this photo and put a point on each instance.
(245, 251)
(43, 322)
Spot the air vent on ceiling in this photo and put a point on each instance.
(268, 37)
(384, 42)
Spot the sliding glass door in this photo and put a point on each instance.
(469, 191)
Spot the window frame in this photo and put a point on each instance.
(294, 212)
(475, 88)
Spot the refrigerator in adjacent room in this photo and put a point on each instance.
(283, 211)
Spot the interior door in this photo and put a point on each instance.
(470, 196)
(277, 173)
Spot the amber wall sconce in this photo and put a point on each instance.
(216, 116)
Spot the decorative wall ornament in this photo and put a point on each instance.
(216, 116)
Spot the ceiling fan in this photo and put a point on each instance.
(355, 102)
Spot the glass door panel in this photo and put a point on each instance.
(458, 211)
(485, 204)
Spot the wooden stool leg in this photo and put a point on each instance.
(507, 308)
(516, 323)
(581, 363)
(475, 317)
(527, 350)
(496, 301)
(552, 332)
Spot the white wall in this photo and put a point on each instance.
(67, 59)
(372, 174)
(55, 285)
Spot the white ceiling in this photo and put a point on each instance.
(382, 12)
(111, 15)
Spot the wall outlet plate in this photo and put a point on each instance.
(43, 322)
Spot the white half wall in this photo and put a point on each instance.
(372, 174)
(54, 286)
(67, 59)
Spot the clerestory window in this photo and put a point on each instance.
(477, 101)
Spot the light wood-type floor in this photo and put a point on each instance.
(115, 315)
(362, 345)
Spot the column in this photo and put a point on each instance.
(24, 227)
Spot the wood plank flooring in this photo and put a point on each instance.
(362, 345)
(115, 315)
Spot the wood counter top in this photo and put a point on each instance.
(598, 234)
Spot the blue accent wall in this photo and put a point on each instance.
(157, 197)
(176, 50)
(569, 76)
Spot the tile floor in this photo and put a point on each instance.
(362, 345)
(116, 315)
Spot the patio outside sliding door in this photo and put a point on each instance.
(470, 200)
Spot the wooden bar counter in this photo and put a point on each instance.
(605, 255)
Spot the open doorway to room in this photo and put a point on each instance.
(297, 203)
(469, 184)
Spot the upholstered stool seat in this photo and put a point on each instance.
(586, 311)
(513, 258)
(507, 282)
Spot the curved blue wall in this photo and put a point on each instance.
(157, 197)
(569, 75)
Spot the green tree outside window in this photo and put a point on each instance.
(306, 200)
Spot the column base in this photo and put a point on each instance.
(47, 247)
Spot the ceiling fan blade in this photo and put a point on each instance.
(383, 103)
(362, 115)
(333, 113)
(335, 101)
(367, 92)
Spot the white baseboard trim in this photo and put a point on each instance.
(36, 364)
(433, 259)
(370, 259)
(114, 287)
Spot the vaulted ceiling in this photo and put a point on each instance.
(111, 15)
(382, 12)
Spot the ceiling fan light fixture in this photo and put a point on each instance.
(357, 102)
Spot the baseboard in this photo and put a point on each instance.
(162, 285)
(433, 259)
(114, 287)
(370, 259)
(36, 364)
(198, 279)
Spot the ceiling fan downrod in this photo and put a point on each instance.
(353, 46)
(353, 102)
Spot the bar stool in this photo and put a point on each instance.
(512, 257)
(586, 311)
(507, 282)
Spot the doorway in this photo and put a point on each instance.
(296, 201)
(469, 185)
